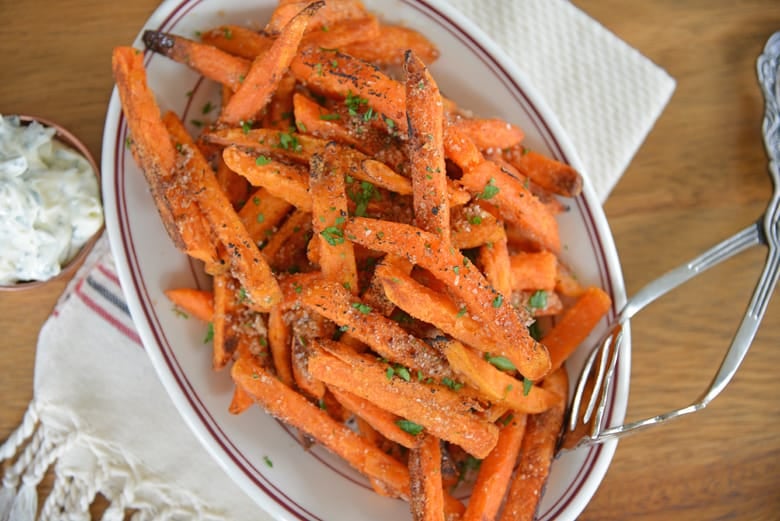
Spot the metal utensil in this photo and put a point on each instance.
(585, 425)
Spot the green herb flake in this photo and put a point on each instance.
(500, 362)
(262, 160)
(196, 122)
(301, 126)
(208, 107)
(461, 312)
(538, 300)
(389, 373)
(410, 427)
(297, 287)
(289, 142)
(318, 68)
(527, 385)
(227, 33)
(353, 103)
(246, 126)
(498, 301)
(452, 384)
(333, 235)
(490, 190)
(268, 461)
(256, 201)
(209, 333)
(260, 217)
(330, 117)
(363, 308)
(403, 373)
(475, 219)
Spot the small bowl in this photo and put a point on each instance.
(67, 138)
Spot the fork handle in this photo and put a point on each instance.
(750, 236)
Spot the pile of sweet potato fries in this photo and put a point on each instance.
(377, 253)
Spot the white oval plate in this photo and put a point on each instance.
(313, 485)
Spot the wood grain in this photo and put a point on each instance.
(699, 177)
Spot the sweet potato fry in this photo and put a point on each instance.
(334, 12)
(389, 46)
(489, 134)
(240, 402)
(533, 270)
(387, 338)
(287, 182)
(238, 40)
(357, 82)
(558, 178)
(497, 385)
(279, 339)
(439, 410)
(279, 111)
(425, 118)
(225, 340)
(267, 70)
(282, 250)
(427, 493)
(536, 454)
(198, 302)
(472, 227)
(292, 408)
(515, 202)
(246, 262)
(344, 32)
(262, 213)
(576, 324)
(329, 213)
(383, 421)
(495, 260)
(506, 323)
(495, 472)
(209, 61)
(154, 151)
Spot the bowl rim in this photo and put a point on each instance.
(69, 139)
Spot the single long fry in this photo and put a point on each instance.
(489, 134)
(292, 408)
(209, 61)
(344, 76)
(576, 324)
(495, 260)
(154, 151)
(332, 13)
(288, 182)
(329, 213)
(262, 212)
(464, 280)
(552, 175)
(198, 302)
(381, 420)
(386, 337)
(495, 472)
(536, 454)
(238, 40)
(267, 70)
(389, 47)
(425, 117)
(427, 495)
(439, 410)
(497, 385)
(533, 270)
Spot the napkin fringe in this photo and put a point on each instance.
(83, 469)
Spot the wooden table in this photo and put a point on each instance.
(699, 177)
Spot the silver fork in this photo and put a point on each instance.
(585, 422)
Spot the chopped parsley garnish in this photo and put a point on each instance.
(369, 114)
(461, 312)
(227, 33)
(246, 126)
(196, 122)
(262, 160)
(490, 190)
(268, 461)
(260, 217)
(329, 117)
(353, 103)
(297, 287)
(363, 195)
(498, 301)
(409, 426)
(208, 107)
(527, 385)
(500, 362)
(538, 300)
(209, 333)
(289, 142)
(363, 308)
(452, 384)
(333, 235)
(475, 219)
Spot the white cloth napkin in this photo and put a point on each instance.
(102, 418)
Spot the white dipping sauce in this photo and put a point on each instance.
(49, 202)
